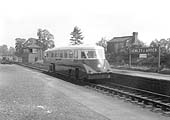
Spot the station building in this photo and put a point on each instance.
(117, 43)
(32, 51)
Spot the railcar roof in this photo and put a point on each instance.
(82, 47)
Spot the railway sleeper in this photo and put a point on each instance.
(157, 110)
(141, 103)
(167, 114)
(148, 106)
(155, 104)
(134, 101)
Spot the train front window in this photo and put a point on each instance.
(100, 54)
(91, 54)
(88, 54)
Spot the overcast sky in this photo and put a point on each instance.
(95, 18)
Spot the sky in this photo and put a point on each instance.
(95, 18)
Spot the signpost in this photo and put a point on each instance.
(142, 52)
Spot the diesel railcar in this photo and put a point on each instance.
(79, 62)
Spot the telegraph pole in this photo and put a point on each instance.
(130, 58)
(159, 57)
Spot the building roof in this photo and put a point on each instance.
(121, 39)
(32, 43)
(32, 46)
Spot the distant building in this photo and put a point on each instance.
(117, 43)
(32, 51)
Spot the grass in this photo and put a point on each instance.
(142, 68)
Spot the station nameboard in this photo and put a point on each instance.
(144, 50)
(142, 55)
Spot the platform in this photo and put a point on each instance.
(142, 74)
(30, 94)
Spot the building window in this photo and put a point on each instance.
(34, 50)
(30, 50)
(26, 50)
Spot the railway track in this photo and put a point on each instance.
(155, 102)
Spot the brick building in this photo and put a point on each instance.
(117, 43)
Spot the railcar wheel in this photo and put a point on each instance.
(69, 73)
(51, 67)
(77, 73)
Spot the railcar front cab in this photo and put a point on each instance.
(97, 67)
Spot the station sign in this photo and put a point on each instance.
(144, 50)
(142, 55)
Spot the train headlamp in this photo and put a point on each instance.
(99, 66)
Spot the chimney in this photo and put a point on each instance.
(135, 37)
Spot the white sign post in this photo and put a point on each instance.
(142, 55)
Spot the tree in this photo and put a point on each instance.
(4, 50)
(163, 43)
(45, 38)
(165, 50)
(76, 38)
(19, 45)
(139, 43)
(11, 51)
(154, 43)
(168, 45)
(103, 43)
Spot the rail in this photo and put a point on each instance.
(156, 102)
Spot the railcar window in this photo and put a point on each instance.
(61, 54)
(88, 54)
(70, 54)
(65, 54)
(52, 54)
(91, 54)
(56, 54)
(83, 55)
(75, 54)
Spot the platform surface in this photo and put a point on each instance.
(157, 76)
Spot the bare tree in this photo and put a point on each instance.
(103, 43)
